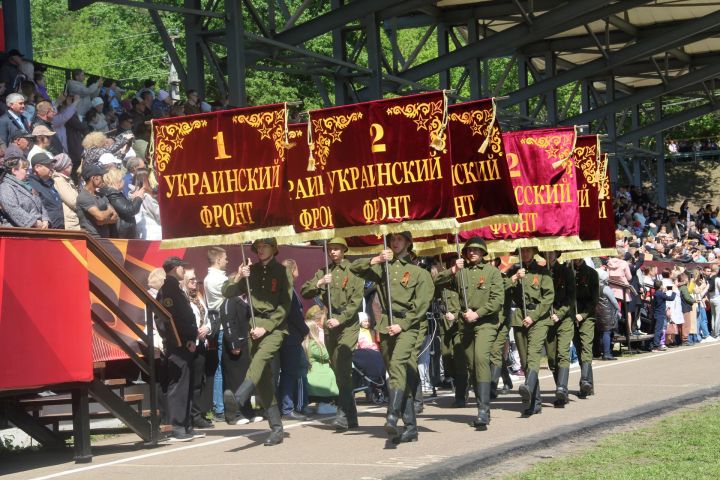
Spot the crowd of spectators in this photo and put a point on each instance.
(695, 145)
(78, 161)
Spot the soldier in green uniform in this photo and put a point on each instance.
(533, 296)
(560, 333)
(451, 349)
(411, 291)
(498, 364)
(482, 302)
(271, 294)
(342, 291)
(587, 289)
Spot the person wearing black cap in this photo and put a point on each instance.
(94, 212)
(411, 291)
(560, 333)
(179, 356)
(342, 290)
(41, 180)
(19, 145)
(481, 316)
(533, 295)
(271, 293)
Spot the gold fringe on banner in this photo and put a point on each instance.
(543, 243)
(584, 245)
(505, 218)
(229, 238)
(426, 248)
(486, 142)
(599, 252)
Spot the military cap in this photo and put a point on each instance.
(339, 241)
(475, 242)
(268, 241)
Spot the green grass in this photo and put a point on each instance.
(684, 445)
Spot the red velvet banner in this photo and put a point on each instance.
(374, 168)
(587, 154)
(606, 215)
(220, 176)
(44, 314)
(482, 189)
(543, 176)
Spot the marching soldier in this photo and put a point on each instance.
(587, 289)
(533, 295)
(271, 293)
(411, 291)
(342, 290)
(451, 347)
(560, 333)
(482, 320)
(498, 364)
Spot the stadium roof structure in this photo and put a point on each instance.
(629, 69)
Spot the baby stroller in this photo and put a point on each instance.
(368, 375)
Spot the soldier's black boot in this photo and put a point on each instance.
(234, 400)
(561, 391)
(276, 427)
(346, 416)
(418, 399)
(395, 403)
(340, 423)
(527, 390)
(495, 377)
(505, 374)
(410, 432)
(482, 393)
(586, 386)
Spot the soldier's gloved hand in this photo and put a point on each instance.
(449, 317)
(555, 318)
(394, 330)
(459, 263)
(325, 280)
(527, 322)
(332, 323)
(578, 317)
(471, 316)
(257, 332)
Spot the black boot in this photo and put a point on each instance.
(561, 391)
(395, 403)
(418, 399)
(346, 416)
(410, 432)
(495, 377)
(276, 427)
(586, 386)
(232, 401)
(530, 393)
(482, 393)
(507, 381)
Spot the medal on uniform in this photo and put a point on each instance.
(273, 285)
(536, 280)
(405, 279)
(345, 282)
(481, 282)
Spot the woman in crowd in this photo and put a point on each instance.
(67, 190)
(20, 203)
(608, 312)
(126, 208)
(148, 218)
(97, 143)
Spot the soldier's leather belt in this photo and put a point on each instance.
(399, 314)
(531, 306)
(263, 315)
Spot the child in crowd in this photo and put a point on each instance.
(322, 385)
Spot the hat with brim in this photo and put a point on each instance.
(339, 241)
(171, 263)
(267, 241)
(406, 234)
(43, 159)
(475, 242)
(42, 131)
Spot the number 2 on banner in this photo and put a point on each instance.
(376, 131)
(220, 140)
(512, 164)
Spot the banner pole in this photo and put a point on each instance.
(327, 271)
(387, 284)
(522, 286)
(247, 285)
(463, 283)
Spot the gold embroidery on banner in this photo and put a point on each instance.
(421, 114)
(585, 160)
(327, 131)
(170, 138)
(477, 121)
(604, 180)
(557, 147)
(270, 126)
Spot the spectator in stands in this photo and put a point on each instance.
(111, 93)
(42, 136)
(22, 206)
(124, 124)
(366, 337)
(156, 278)
(67, 190)
(133, 165)
(125, 207)
(212, 285)
(147, 98)
(140, 114)
(43, 166)
(94, 212)
(19, 145)
(40, 86)
(192, 105)
(700, 295)
(45, 114)
(27, 89)
(608, 312)
(97, 143)
(10, 73)
(714, 297)
(205, 359)
(72, 131)
(161, 105)
(13, 120)
(148, 87)
(95, 117)
(76, 86)
(108, 161)
(148, 220)
(672, 147)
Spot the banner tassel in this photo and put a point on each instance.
(486, 142)
(311, 167)
(286, 139)
(438, 140)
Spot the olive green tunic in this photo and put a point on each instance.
(587, 291)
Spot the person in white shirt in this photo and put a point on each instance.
(216, 277)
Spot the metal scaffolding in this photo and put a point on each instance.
(609, 65)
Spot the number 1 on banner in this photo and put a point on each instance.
(220, 140)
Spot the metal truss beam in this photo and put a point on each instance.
(667, 122)
(162, 7)
(642, 49)
(641, 95)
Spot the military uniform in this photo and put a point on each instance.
(498, 364)
(411, 288)
(485, 296)
(538, 292)
(271, 294)
(345, 293)
(451, 347)
(560, 333)
(587, 288)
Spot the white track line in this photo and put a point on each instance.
(649, 356)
